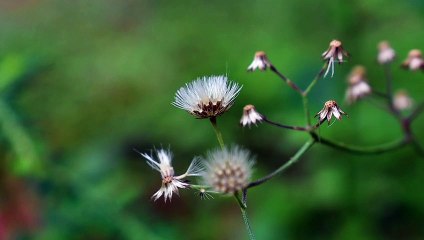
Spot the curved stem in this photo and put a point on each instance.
(361, 150)
(315, 80)
(285, 126)
(293, 127)
(389, 90)
(286, 80)
(245, 217)
(292, 160)
(217, 132)
(20, 141)
(417, 111)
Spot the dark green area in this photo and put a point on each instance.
(82, 83)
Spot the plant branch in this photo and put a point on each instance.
(315, 80)
(292, 160)
(217, 132)
(286, 80)
(417, 111)
(245, 217)
(361, 150)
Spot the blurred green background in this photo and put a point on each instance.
(82, 83)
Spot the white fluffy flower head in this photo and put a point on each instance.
(228, 170)
(170, 182)
(207, 96)
(358, 85)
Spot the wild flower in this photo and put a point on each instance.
(228, 170)
(414, 61)
(170, 182)
(386, 54)
(260, 61)
(358, 86)
(402, 101)
(250, 116)
(334, 53)
(330, 109)
(207, 97)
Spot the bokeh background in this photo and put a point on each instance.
(83, 83)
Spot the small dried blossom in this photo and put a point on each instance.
(335, 53)
(207, 96)
(358, 85)
(414, 61)
(260, 61)
(170, 182)
(386, 54)
(330, 109)
(250, 116)
(402, 101)
(228, 170)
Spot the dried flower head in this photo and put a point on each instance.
(207, 96)
(330, 108)
(402, 101)
(386, 54)
(358, 85)
(170, 182)
(228, 170)
(260, 61)
(334, 53)
(250, 116)
(414, 61)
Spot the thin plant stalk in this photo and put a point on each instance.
(217, 132)
(292, 160)
(243, 210)
(362, 150)
(286, 80)
(315, 80)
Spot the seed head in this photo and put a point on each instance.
(207, 96)
(228, 170)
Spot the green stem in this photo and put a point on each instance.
(306, 110)
(286, 80)
(19, 139)
(243, 209)
(217, 132)
(292, 160)
(361, 150)
(315, 80)
(389, 90)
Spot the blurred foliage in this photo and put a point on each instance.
(82, 83)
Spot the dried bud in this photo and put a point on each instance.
(386, 54)
(228, 170)
(334, 53)
(414, 61)
(260, 61)
(358, 86)
(250, 116)
(402, 101)
(330, 108)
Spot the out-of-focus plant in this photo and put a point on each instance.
(227, 170)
